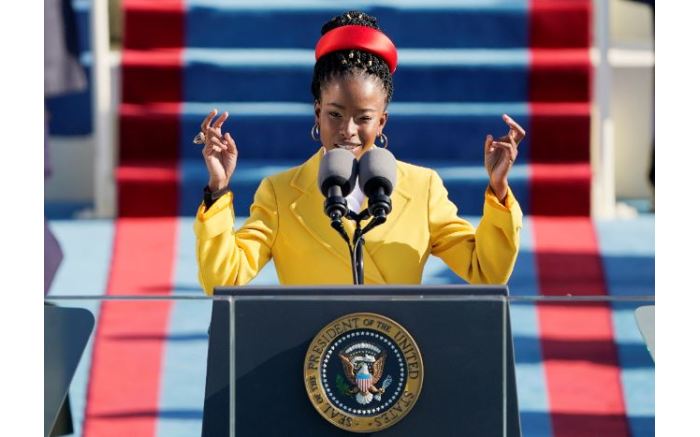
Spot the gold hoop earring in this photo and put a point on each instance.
(316, 133)
(383, 140)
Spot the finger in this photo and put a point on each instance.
(487, 143)
(216, 141)
(517, 133)
(215, 144)
(502, 145)
(514, 143)
(515, 129)
(231, 144)
(211, 150)
(205, 124)
(213, 133)
(513, 124)
(507, 147)
(220, 121)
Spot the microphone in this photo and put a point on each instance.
(337, 176)
(377, 179)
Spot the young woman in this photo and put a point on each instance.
(352, 87)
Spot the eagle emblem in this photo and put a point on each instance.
(363, 365)
(363, 372)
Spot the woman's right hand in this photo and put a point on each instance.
(220, 152)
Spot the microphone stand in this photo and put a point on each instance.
(358, 242)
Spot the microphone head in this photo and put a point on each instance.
(338, 168)
(377, 169)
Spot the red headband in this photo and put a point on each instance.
(358, 37)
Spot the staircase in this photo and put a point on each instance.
(461, 65)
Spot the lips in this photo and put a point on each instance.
(348, 146)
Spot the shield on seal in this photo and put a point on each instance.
(363, 379)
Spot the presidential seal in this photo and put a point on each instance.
(363, 372)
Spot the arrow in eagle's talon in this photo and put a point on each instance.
(386, 383)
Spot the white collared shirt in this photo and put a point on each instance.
(356, 198)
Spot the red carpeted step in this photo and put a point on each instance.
(561, 23)
(149, 133)
(152, 76)
(560, 189)
(148, 189)
(559, 132)
(150, 24)
(123, 397)
(560, 75)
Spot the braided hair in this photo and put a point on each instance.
(344, 63)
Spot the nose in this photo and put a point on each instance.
(348, 129)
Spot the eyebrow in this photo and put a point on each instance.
(339, 106)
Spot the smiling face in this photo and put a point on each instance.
(351, 113)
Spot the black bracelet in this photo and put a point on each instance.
(212, 196)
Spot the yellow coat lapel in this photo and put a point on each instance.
(307, 209)
(400, 200)
(376, 237)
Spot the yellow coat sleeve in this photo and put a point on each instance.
(485, 255)
(229, 257)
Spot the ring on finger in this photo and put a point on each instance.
(200, 138)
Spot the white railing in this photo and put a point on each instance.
(615, 63)
(602, 134)
(103, 112)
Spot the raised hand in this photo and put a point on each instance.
(500, 154)
(220, 152)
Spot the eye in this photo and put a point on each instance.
(335, 114)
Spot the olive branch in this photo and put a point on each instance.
(342, 385)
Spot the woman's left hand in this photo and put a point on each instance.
(499, 156)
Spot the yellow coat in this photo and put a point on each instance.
(287, 223)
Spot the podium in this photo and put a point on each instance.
(258, 342)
